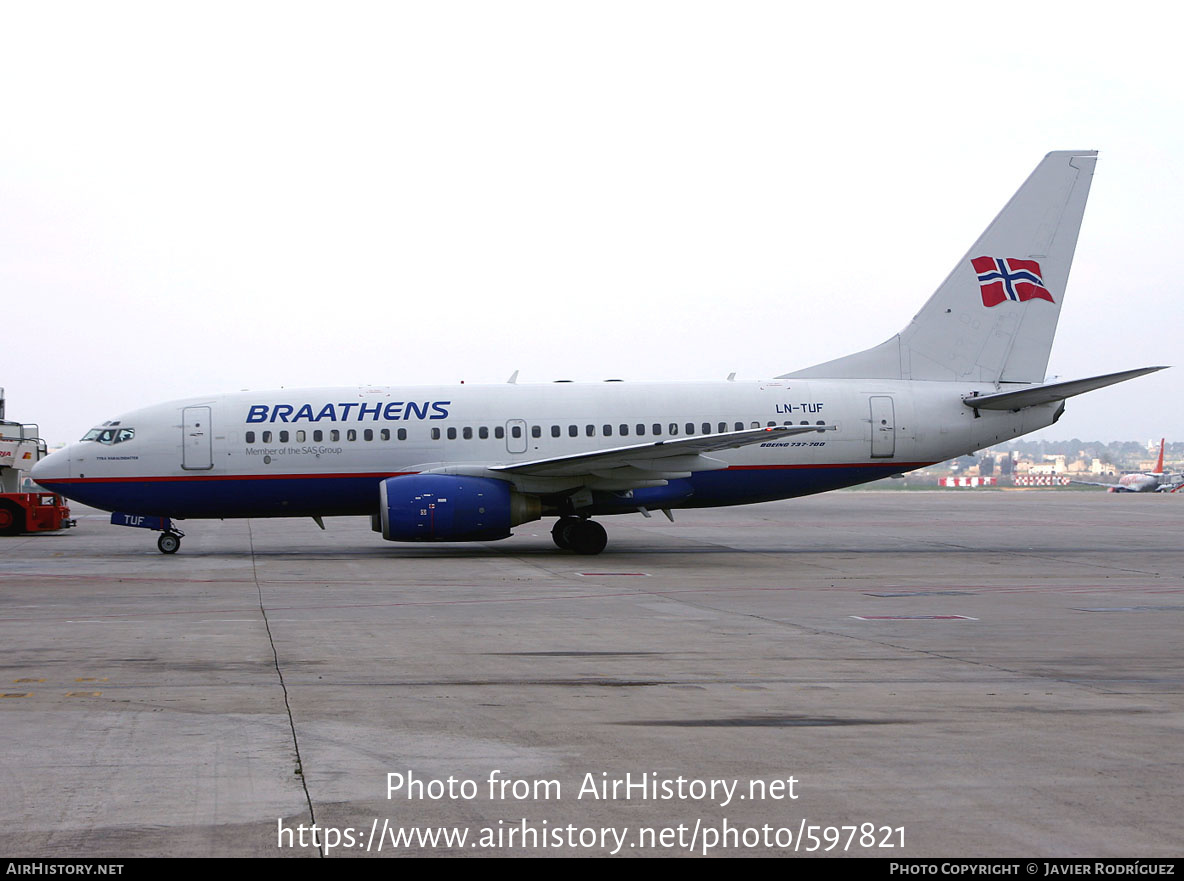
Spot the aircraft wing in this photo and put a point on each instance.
(1048, 393)
(1114, 486)
(661, 460)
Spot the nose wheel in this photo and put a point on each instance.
(169, 542)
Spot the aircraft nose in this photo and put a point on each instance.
(55, 466)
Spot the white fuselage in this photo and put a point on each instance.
(302, 452)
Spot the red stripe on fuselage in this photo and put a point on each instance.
(177, 477)
(382, 475)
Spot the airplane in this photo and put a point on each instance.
(1147, 482)
(469, 463)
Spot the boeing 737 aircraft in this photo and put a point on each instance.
(468, 463)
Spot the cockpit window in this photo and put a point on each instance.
(109, 435)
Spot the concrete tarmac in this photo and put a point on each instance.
(955, 673)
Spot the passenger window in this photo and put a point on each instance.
(483, 432)
(723, 426)
(690, 428)
(499, 432)
(707, 428)
(573, 431)
(334, 435)
(452, 434)
(267, 437)
(385, 434)
(435, 434)
(640, 427)
(555, 431)
(468, 433)
(673, 428)
(756, 425)
(608, 431)
(402, 434)
(657, 428)
(590, 430)
(624, 430)
(351, 434)
(300, 436)
(739, 426)
(536, 431)
(250, 437)
(516, 431)
(318, 436)
(368, 434)
(283, 437)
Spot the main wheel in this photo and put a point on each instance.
(561, 532)
(168, 543)
(587, 537)
(12, 519)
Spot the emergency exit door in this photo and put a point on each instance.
(516, 436)
(883, 427)
(196, 450)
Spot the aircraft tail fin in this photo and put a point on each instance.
(1159, 464)
(994, 317)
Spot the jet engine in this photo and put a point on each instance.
(446, 507)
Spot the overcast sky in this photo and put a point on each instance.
(205, 197)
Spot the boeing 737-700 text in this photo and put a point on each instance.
(468, 463)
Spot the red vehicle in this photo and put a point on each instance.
(24, 506)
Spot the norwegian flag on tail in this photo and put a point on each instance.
(1009, 278)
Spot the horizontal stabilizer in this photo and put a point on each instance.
(1032, 396)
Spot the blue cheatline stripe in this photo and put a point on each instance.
(225, 496)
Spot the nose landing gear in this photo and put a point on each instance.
(169, 542)
(170, 538)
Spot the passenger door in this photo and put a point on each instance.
(196, 450)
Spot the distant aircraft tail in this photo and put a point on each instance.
(1159, 464)
(994, 317)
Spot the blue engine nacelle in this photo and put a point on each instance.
(446, 507)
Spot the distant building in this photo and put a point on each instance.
(1051, 465)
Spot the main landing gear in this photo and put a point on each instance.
(579, 535)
